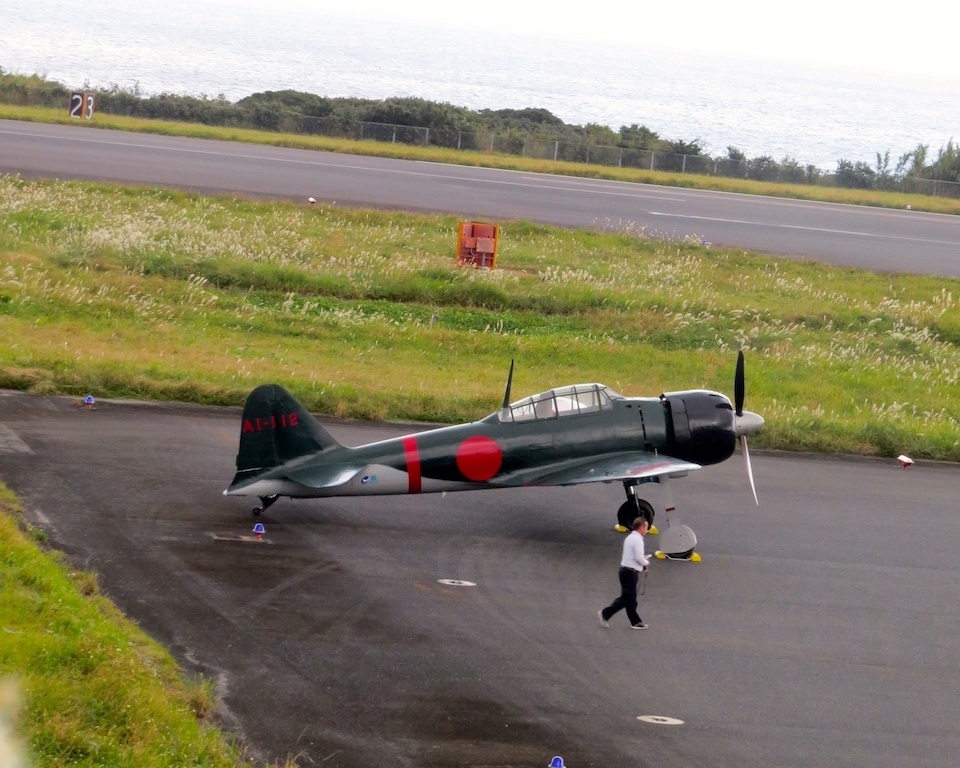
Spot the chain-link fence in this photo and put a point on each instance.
(360, 130)
(514, 143)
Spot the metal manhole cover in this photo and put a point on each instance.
(660, 720)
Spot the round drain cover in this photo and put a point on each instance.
(660, 720)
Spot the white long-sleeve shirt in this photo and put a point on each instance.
(633, 552)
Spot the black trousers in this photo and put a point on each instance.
(628, 596)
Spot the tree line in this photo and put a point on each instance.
(532, 131)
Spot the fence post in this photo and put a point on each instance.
(556, 150)
(426, 136)
(652, 155)
(620, 159)
(459, 135)
(492, 137)
(683, 166)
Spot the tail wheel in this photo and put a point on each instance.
(265, 501)
(631, 510)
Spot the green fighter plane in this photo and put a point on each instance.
(585, 433)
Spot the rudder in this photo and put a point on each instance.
(276, 428)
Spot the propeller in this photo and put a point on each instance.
(506, 394)
(745, 422)
(738, 384)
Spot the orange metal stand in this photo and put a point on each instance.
(477, 245)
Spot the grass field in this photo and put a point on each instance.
(144, 293)
(93, 690)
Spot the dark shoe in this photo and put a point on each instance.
(603, 621)
(641, 625)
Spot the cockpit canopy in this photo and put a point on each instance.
(560, 403)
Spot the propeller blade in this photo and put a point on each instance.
(506, 394)
(738, 385)
(746, 461)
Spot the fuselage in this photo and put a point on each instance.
(506, 449)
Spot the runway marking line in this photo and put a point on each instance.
(10, 441)
(851, 232)
(238, 537)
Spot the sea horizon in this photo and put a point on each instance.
(813, 114)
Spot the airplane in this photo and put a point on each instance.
(584, 433)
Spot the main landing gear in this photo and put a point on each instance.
(677, 541)
(265, 502)
(633, 508)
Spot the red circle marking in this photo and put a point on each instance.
(479, 458)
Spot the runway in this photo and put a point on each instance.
(819, 629)
(844, 235)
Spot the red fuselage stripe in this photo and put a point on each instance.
(413, 463)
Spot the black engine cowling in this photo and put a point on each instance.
(700, 426)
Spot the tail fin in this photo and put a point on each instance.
(276, 429)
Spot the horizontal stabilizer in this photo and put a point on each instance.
(327, 476)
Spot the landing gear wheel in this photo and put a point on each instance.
(646, 511)
(626, 514)
(265, 501)
(632, 509)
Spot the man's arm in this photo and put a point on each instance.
(637, 553)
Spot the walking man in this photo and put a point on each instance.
(632, 564)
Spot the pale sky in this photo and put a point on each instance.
(919, 37)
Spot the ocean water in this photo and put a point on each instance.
(815, 115)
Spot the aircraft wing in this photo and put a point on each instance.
(631, 465)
